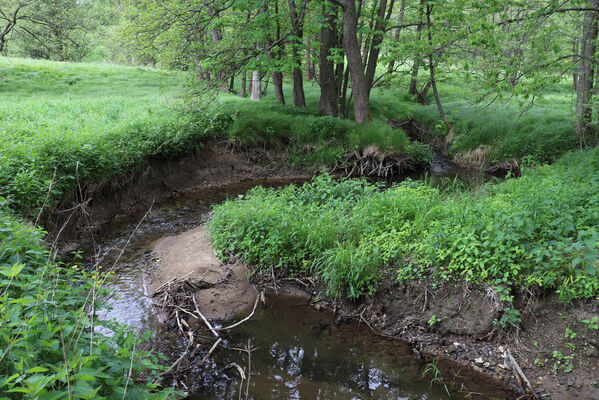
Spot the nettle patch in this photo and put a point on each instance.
(50, 345)
(538, 231)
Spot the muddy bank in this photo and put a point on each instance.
(190, 256)
(101, 210)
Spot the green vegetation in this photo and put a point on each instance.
(50, 346)
(536, 231)
(500, 132)
(61, 121)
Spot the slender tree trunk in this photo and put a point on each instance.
(329, 92)
(308, 60)
(377, 39)
(413, 89)
(586, 74)
(256, 89)
(354, 62)
(391, 65)
(277, 76)
(431, 65)
(243, 84)
(575, 59)
(299, 98)
(232, 84)
(343, 101)
(277, 82)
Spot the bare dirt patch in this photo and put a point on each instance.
(190, 255)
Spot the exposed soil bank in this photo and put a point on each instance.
(107, 208)
(477, 159)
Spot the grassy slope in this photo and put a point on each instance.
(104, 118)
(53, 115)
(502, 131)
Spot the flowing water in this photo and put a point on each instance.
(298, 352)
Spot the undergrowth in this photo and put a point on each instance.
(537, 231)
(50, 344)
(504, 130)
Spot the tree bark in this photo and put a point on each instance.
(243, 84)
(309, 76)
(575, 59)
(354, 62)
(431, 65)
(586, 74)
(413, 88)
(391, 65)
(377, 39)
(277, 82)
(256, 83)
(329, 92)
(297, 21)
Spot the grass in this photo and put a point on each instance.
(96, 121)
(316, 141)
(538, 231)
(504, 130)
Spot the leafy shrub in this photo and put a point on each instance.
(51, 348)
(420, 153)
(536, 231)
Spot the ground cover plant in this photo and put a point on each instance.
(505, 130)
(50, 346)
(61, 121)
(537, 231)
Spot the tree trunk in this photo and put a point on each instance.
(329, 92)
(575, 59)
(232, 84)
(277, 82)
(243, 84)
(586, 74)
(377, 39)
(354, 62)
(391, 65)
(431, 65)
(413, 89)
(308, 60)
(256, 90)
(299, 99)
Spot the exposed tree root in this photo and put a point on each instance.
(372, 162)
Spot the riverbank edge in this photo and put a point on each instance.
(474, 159)
(215, 167)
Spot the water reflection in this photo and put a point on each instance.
(301, 354)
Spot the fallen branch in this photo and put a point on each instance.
(518, 371)
(243, 320)
(195, 303)
(239, 369)
(214, 346)
(178, 361)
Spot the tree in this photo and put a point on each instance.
(46, 28)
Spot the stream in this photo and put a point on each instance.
(298, 352)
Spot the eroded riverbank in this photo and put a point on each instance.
(457, 351)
